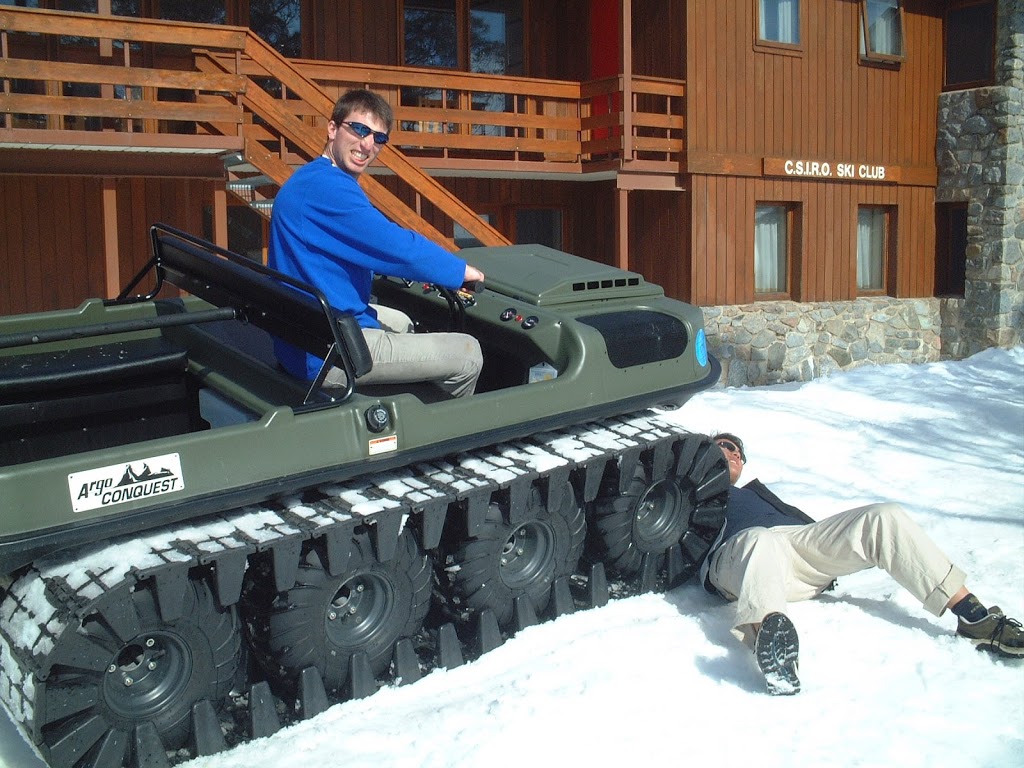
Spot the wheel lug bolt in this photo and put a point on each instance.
(332, 615)
(152, 665)
(128, 681)
(520, 551)
(360, 588)
(112, 669)
(504, 561)
(150, 642)
(352, 610)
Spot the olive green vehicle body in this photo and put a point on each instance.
(267, 438)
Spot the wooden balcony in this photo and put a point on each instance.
(152, 89)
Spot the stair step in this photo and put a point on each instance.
(249, 182)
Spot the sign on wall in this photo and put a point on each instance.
(830, 170)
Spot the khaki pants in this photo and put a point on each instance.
(764, 568)
(452, 361)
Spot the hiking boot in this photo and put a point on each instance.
(776, 650)
(996, 633)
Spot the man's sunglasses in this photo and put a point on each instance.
(362, 131)
(730, 446)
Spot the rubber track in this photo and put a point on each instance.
(54, 595)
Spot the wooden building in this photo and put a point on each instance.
(733, 151)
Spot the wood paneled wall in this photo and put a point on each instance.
(723, 237)
(51, 234)
(823, 103)
(820, 104)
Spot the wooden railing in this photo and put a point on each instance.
(74, 79)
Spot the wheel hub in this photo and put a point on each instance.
(358, 609)
(526, 554)
(146, 674)
(660, 519)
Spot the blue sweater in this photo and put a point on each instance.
(325, 231)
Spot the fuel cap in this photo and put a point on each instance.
(377, 418)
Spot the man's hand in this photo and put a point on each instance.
(473, 280)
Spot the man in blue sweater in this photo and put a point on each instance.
(325, 231)
(770, 553)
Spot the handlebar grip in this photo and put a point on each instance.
(473, 286)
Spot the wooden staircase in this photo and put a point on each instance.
(254, 174)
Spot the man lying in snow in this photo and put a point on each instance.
(770, 552)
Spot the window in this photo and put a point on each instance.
(778, 21)
(950, 248)
(774, 235)
(970, 46)
(279, 23)
(492, 41)
(881, 30)
(874, 241)
(542, 226)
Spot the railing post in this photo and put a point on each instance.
(626, 82)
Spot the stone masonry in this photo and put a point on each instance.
(980, 155)
(779, 341)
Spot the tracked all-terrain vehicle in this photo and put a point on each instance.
(196, 547)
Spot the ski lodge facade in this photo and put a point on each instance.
(836, 182)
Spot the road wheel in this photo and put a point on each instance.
(504, 561)
(103, 686)
(323, 620)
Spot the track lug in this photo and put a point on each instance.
(407, 663)
(487, 631)
(518, 495)
(228, 572)
(384, 533)
(338, 545)
(557, 482)
(627, 464)
(476, 511)
(674, 567)
(561, 598)
(433, 517)
(450, 648)
(149, 750)
(312, 696)
(649, 571)
(525, 614)
(361, 681)
(207, 738)
(263, 720)
(170, 591)
(285, 558)
(594, 472)
(598, 586)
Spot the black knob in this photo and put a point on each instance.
(377, 418)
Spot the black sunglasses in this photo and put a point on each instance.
(362, 131)
(730, 446)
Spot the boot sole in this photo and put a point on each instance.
(777, 651)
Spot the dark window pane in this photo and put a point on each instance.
(431, 33)
(539, 225)
(278, 22)
(970, 44)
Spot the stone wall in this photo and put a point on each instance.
(773, 342)
(980, 155)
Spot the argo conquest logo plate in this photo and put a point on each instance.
(118, 483)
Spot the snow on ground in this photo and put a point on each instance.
(659, 680)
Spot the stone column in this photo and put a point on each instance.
(980, 154)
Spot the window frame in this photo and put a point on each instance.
(868, 56)
(959, 5)
(765, 45)
(886, 269)
(791, 216)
